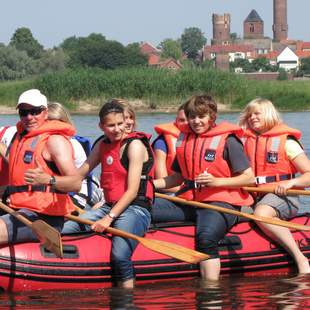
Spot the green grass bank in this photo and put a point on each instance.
(158, 88)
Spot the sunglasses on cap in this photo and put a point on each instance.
(33, 112)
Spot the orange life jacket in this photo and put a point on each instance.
(267, 154)
(170, 132)
(115, 172)
(198, 153)
(25, 152)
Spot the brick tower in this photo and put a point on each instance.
(280, 27)
(221, 29)
(253, 26)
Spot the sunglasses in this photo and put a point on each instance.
(33, 112)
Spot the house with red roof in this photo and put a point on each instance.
(234, 51)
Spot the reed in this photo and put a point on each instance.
(159, 88)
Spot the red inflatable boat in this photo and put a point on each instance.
(85, 264)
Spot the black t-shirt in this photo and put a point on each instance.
(233, 154)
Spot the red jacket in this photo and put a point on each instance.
(115, 173)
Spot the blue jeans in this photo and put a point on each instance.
(211, 226)
(134, 219)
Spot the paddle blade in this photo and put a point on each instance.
(49, 236)
(174, 250)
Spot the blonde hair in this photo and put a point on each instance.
(56, 111)
(127, 108)
(269, 112)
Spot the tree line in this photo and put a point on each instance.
(24, 56)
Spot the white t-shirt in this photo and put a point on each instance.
(8, 135)
(79, 159)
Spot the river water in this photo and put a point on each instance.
(233, 292)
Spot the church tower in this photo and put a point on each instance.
(253, 26)
(280, 26)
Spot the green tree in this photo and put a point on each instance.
(171, 49)
(23, 40)
(96, 51)
(282, 75)
(15, 64)
(242, 63)
(261, 64)
(192, 41)
(233, 36)
(134, 56)
(305, 65)
(52, 60)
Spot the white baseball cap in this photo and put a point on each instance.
(32, 97)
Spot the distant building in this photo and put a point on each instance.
(154, 57)
(288, 60)
(169, 63)
(151, 52)
(280, 26)
(253, 26)
(222, 61)
(221, 29)
(233, 51)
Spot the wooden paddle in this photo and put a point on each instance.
(271, 190)
(163, 247)
(47, 235)
(256, 218)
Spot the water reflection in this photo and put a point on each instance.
(230, 293)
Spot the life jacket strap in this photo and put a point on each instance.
(30, 188)
(273, 178)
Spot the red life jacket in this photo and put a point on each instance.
(196, 153)
(26, 149)
(115, 171)
(170, 132)
(267, 153)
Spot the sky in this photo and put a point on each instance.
(129, 21)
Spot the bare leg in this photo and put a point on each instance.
(3, 233)
(210, 269)
(127, 284)
(283, 236)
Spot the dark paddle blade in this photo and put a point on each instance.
(48, 236)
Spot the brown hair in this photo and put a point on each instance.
(112, 106)
(201, 105)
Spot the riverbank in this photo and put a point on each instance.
(83, 91)
(138, 105)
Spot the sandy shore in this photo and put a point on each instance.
(138, 105)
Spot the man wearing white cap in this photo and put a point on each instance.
(40, 144)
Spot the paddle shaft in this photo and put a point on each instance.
(167, 248)
(20, 217)
(271, 190)
(110, 230)
(256, 218)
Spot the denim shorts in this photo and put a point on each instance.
(285, 206)
(19, 232)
